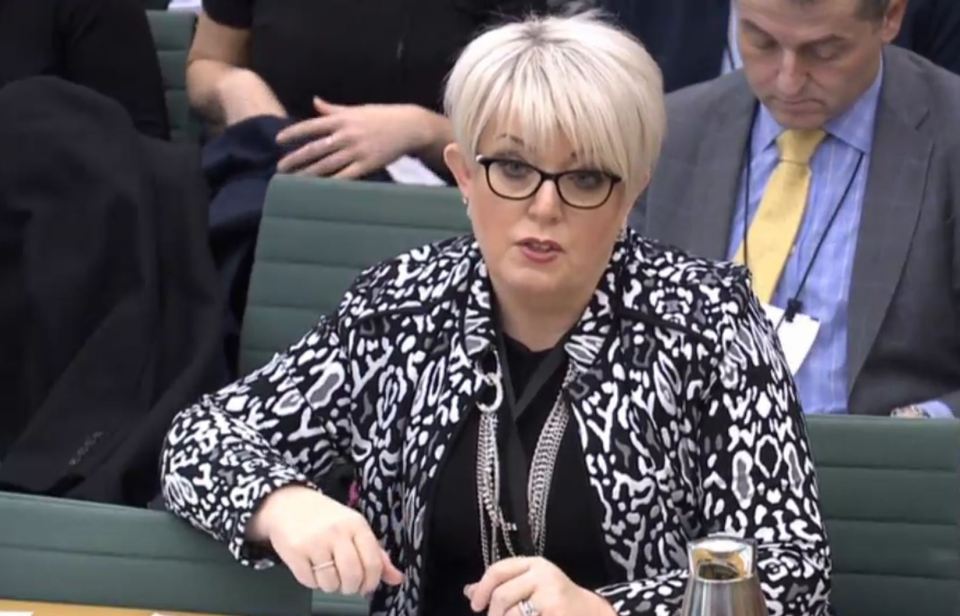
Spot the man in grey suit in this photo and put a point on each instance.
(830, 166)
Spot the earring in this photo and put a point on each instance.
(465, 200)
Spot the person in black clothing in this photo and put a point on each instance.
(692, 40)
(105, 45)
(361, 80)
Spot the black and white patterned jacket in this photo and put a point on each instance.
(685, 411)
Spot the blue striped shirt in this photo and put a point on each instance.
(822, 379)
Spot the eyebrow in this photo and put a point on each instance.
(825, 40)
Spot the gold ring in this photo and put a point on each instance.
(325, 565)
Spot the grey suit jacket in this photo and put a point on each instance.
(904, 315)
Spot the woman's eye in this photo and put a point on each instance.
(587, 180)
(514, 169)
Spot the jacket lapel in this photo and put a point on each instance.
(895, 186)
(445, 396)
(718, 170)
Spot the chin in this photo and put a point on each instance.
(800, 121)
(535, 284)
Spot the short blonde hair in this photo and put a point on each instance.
(592, 81)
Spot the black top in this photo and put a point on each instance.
(574, 541)
(358, 51)
(102, 44)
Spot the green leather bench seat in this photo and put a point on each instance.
(172, 35)
(890, 492)
(317, 235)
(66, 551)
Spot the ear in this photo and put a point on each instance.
(893, 20)
(460, 167)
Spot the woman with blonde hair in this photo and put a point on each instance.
(541, 414)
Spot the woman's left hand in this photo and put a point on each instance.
(545, 588)
(350, 141)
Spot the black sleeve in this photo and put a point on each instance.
(107, 46)
(231, 13)
(936, 32)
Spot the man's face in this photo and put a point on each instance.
(808, 62)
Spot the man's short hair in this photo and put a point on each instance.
(869, 9)
(874, 9)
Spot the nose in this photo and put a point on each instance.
(791, 76)
(547, 206)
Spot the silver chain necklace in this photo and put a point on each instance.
(493, 524)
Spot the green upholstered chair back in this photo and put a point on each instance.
(64, 551)
(890, 492)
(172, 34)
(317, 235)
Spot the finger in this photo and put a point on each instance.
(327, 579)
(391, 575)
(308, 129)
(308, 153)
(496, 575)
(354, 170)
(538, 601)
(325, 108)
(301, 569)
(329, 165)
(509, 594)
(369, 551)
(349, 567)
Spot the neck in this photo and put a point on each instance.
(538, 325)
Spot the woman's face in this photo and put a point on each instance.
(539, 249)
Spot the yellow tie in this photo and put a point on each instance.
(776, 223)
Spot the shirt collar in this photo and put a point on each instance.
(854, 126)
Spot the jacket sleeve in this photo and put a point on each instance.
(284, 424)
(752, 474)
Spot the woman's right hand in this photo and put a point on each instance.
(325, 544)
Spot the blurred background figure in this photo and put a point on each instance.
(829, 166)
(104, 45)
(695, 40)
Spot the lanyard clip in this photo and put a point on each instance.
(794, 307)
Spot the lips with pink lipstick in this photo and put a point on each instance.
(539, 250)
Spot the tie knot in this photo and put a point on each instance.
(798, 146)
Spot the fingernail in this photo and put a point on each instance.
(467, 590)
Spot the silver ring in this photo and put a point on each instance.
(324, 565)
(527, 609)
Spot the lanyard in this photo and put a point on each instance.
(515, 460)
(794, 304)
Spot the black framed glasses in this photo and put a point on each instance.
(584, 189)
